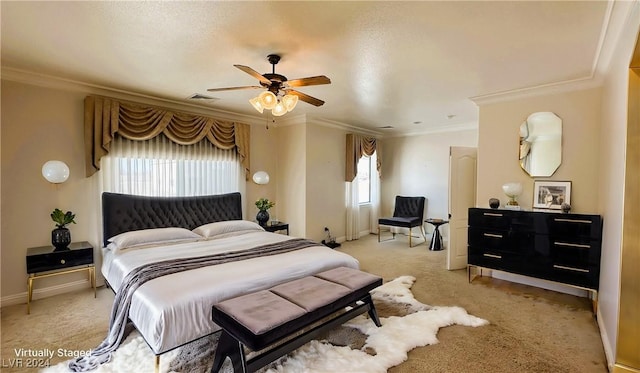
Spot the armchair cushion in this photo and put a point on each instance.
(401, 222)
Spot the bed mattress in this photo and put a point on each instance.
(175, 309)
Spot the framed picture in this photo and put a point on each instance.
(551, 194)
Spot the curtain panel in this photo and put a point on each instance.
(357, 146)
(105, 117)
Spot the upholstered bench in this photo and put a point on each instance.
(288, 315)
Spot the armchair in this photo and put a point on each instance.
(408, 213)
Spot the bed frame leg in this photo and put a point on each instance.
(157, 364)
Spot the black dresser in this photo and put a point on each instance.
(564, 248)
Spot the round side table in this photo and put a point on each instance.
(436, 238)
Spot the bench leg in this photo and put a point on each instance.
(229, 346)
(372, 311)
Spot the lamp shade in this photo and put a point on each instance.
(261, 177)
(267, 99)
(512, 189)
(55, 171)
(279, 109)
(257, 104)
(290, 101)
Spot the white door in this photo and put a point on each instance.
(462, 195)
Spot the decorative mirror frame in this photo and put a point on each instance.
(540, 152)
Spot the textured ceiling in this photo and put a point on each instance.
(390, 63)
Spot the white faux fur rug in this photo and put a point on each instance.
(391, 342)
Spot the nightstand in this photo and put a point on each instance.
(46, 261)
(274, 226)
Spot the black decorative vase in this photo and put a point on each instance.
(494, 203)
(262, 217)
(60, 238)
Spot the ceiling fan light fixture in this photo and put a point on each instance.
(267, 99)
(255, 102)
(290, 101)
(279, 109)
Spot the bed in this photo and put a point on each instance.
(175, 309)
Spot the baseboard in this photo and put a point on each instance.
(540, 283)
(21, 298)
(618, 368)
(608, 351)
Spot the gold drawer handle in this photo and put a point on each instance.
(62, 261)
(492, 235)
(571, 268)
(492, 214)
(572, 245)
(493, 256)
(572, 220)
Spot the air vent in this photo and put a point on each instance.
(386, 127)
(198, 96)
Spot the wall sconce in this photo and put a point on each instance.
(261, 178)
(55, 172)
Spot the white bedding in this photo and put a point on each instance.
(175, 309)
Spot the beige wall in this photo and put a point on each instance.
(613, 139)
(264, 146)
(325, 200)
(40, 124)
(419, 166)
(291, 180)
(498, 147)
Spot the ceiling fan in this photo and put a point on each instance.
(280, 97)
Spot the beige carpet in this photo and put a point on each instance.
(531, 330)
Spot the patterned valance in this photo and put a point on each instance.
(104, 117)
(357, 146)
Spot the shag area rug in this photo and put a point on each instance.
(357, 346)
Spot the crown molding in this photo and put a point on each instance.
(53, 82)
(467, 126)
(343, 126)
(544, 89)
(616, 16)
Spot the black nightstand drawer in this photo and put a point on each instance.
(45, 258)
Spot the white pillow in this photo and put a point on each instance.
(227, 228)
(142, 237)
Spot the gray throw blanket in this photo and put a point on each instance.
(142, 274)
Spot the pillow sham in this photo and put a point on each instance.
(142, 237)
(226, 228)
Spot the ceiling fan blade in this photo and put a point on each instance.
(306, 98)
(234, 88)
(313, 80)
(254, 74)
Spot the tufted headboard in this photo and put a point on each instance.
(125, 212)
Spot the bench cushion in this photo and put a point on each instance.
(262, 318)
(261, 311)
(311, 293)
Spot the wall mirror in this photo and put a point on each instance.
(541, 144)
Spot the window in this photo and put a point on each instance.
(159, 167)
(364, 184)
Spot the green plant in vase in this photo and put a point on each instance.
(61, 236)
(263, 205)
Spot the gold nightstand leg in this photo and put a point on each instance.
(29, 293)
(92, 278)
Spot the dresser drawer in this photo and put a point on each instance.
(59, 259)
(495, 259)
(502, 241)
(575, 226)
(587, 277)
(493, 219)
